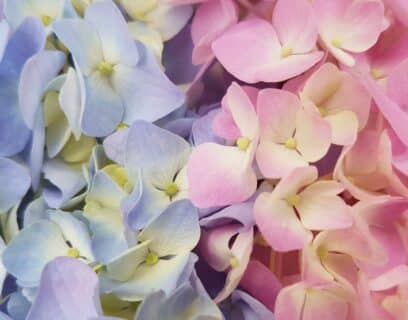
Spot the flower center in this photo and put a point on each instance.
(291, 143)
(337, 43)
(322, 111)
(286, 52)
(322, 252)
(46, 20)
(152, 258)
(73, 253)
(293, 200)
(99, 268)
(122, 126)
(234, 262)
(243, 143)
(171, 190)
(105, 68)
(376, 74)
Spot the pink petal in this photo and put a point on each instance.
(397, 83)
(399, 153)
(313, 136)
(276, 160)
(290, 302)
(261, 283)
(390, 279)
(214, 246)
(295, 24)
(277, 111)
(242, 111)
(281, 69)
(220, 175)
(237, 116)
(351, 95)
(356, 24)
(321, 209)
(322, 84)
(344, 127)
(393, 113)
(210, 21)
(261, 47)
(363, 24)
(241, 250)
(279, 225)
(296, 180)
(400, 9)
(324, 304)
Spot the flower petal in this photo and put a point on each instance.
(279, 225)
(321, 209)
(209, 164)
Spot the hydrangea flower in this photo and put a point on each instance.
(158, 258)
(278, 51)
(348, 26)
(112, 66)
(296, 194)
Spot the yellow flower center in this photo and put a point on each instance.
(105, 68)
(234, 262)
(152, 258)
(337, 43)
(46, 20)
(243, 143)
(98, 268)
(122, 126)
(322, 111)
(322, 252)
(376, 73)
(73, 253)
(291, 143)
(293, 200)
(171, 189)
(286, 52)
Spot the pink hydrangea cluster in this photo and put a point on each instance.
(311, 138)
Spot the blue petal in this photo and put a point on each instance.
(82, 40)
(18, 306)
(68, 290)
(159, 153)
(190, 298)
(35, 149)
(146, 279)
(14, 183)
(250, 307)
(175, 231)
(144, 204)
(3, 316)
(70, 101)
(28, 39)
(241, 212)
(37, 72)
(115, 146)
(146, 91)
(66, 181)
(28, 253)
(103, 106)
(4, 35)
(117, 43)
(106, 222)
(17, 10)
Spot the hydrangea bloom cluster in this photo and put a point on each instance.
(204, 159)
